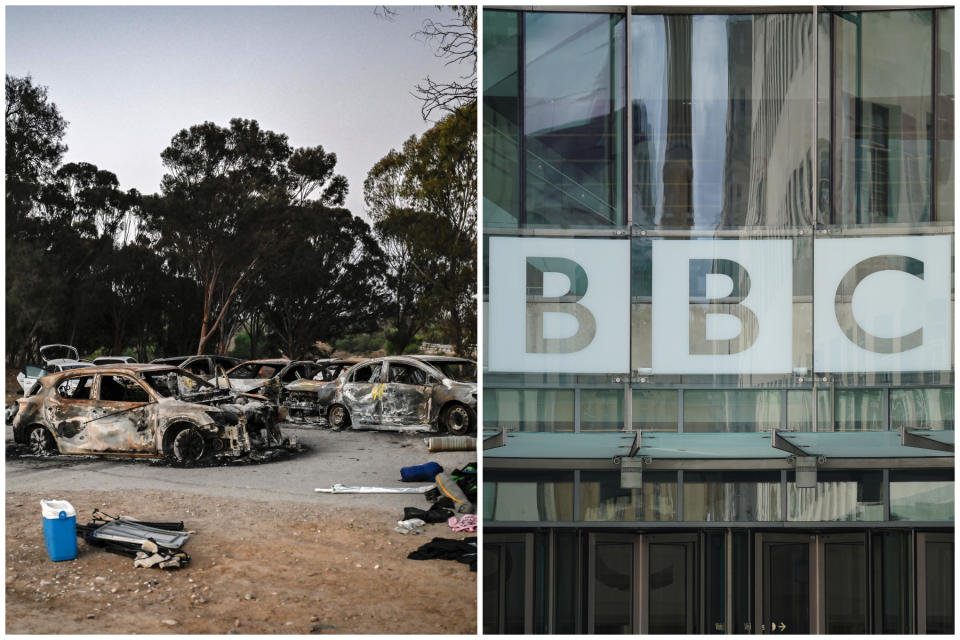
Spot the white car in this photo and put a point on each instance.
(55, 358)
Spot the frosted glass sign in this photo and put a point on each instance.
(559, 305)
(882, 304)
(722, 306)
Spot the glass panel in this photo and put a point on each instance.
(742, 582)
(921, 408)
(714, 579)
(529, 409)
(603, 500)
(541, 591)
(838, 496)
(654, 410)
(728, 496)
(601, 410)
(800, 410)
(573, 119)
(945, 101)
(670, 588)
(501, 118)
(786, 576)
(891, 568)
(513, 587)
(566, 561)
(528, 497)
(923, 495)
(613, 588)
(939, 585)
(722, 410)
(722, 120)
(491, 588)
(858, 409)
(845, 603)
(883, 116)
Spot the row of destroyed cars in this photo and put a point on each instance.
(190, 408)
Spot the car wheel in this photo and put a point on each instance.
(457, 419)
(42, 443)
(338, 417)
(188, 446)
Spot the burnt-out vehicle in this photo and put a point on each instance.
(401, 393)
(252, 375)
(301, 381)
(146, 410)
(204, 366)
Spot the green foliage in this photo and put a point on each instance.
(423, 204)
(361, 343)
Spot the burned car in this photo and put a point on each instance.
(155, 411)
(55, 358)
(204, 366)
(251, 375)
(301, 381)
(401, 393)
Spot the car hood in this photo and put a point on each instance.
(306, 385)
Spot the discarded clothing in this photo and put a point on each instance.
(339, 488)
(464, 551)
(420, 473)
(435, 514)
(466, 523)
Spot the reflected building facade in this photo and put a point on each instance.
(718, 320)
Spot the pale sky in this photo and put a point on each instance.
(127, 79)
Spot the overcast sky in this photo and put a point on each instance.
(128, 78)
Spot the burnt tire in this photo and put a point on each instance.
(338, 417)
(187, 447)
(458, 420)
(41, 442)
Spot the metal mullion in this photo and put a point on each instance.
(935, 94)
(576, 495)
(784, 505)
(680, 495)
(783, 409)
(728, 582)
(551, 576)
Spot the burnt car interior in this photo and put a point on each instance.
(406, 374)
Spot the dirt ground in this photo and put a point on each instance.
(256, 567)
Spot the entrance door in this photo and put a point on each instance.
(670, 581)
(844, 581)
(935, 583)
(784, 575)
(508, 584)
(613, 563)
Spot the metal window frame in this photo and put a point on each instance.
(637, 596)
(763, 538)
(920, 573)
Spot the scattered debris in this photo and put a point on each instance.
(339, 488)
(420, 473)
(150, 544)
(468, 522)
(464, 551)
(451, 443)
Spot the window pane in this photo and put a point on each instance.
(883, 116)
(858, 409)
(573, 119)
(670, 575)
(800, 410)
(601, 410)
(722, 120)
(491, 588)
(529, 497)
(921, 408)
(501, 118)
(529, 409)
(737, 410)
(921, 495)
(845, 588)
(603, 500)
(654, 410)
(939, 586)
(838, 496)
(566, 570)
(891, 584)
(726, 496)
(945, 101)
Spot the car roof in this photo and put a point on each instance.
(129, 369)
(282, 362)
(424, 358)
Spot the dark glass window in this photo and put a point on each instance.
(573, 120)
(603, 500)
(545, 496)
(712, 410)
(729, 496)
(722, 111)
(838, 496)
(529, 409)
(883, 107)
(501, 118)
(613, 588)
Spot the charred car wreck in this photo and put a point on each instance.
(153, 411)
(404, 394)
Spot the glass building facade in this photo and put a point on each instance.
(707, 233)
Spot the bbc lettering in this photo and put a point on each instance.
(720, 306)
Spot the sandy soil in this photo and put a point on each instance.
(256, 567)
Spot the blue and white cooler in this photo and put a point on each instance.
(60, 529)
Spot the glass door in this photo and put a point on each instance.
(935, 583)
(508, 584)
(784, 573)
(671, 583)
(843, 583)
(613, 564)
